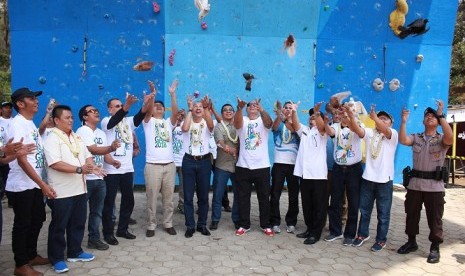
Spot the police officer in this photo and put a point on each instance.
(426, 185)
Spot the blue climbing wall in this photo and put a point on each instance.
(341, 45)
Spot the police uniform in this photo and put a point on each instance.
(424, 188)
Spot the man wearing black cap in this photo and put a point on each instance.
(25, 186)
(426, 185)
(376, 185)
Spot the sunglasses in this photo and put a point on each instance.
(93, 110)
(228, 110)
(117, 106)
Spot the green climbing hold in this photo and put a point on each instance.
(321, 85)
(326, 8)
(339, 67)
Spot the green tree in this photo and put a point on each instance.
(457, 70)
(5, 68)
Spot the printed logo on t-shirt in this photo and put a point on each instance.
(253, 139)
(344, 146)
(121, 151)
(40, 158)
(177, 143)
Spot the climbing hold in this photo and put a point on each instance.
(420, 58)
(339, 67)
(397, 17)
(321, 85)
(204, 25)
(171, 57)
(106, 16)
(42, 80)
(74, 48)
(196, 94)
(156, 7)
(378, 84)
(326, 8)
(100, 86)
(394, 84)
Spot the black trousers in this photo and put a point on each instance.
(314, 204)
(279, 174)
(125, 183)
(434, 206)
(29, 209)
(260, 178)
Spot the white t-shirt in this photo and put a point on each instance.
(286, 145)
(381, 169)
(311, 157)
(253, 145)
(347, 146)
(124, 153)
(18, 181)
(178, 150)
(4, 124)
(93, 137)
(196, 140)
(158, 141)
(56, 150)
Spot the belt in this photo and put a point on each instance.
(423, 174)
(197, 157)
(345, 167)
(160, 164)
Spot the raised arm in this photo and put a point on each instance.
(448, 137)
(238, 117)
(218, 117)
(380, 126)
(404, 139)
(150, 102)
(207, 115)
(352, 122)
(267, 121)
(188, 119)
(174, 104)
(279, 116)
(320, 124)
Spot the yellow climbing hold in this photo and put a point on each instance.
(397, 17)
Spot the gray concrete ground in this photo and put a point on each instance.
(223, 253)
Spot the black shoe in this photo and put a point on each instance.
(132, 221)
(433, 256)
(410, 246)
(189, 233)
(310, 240)
(97, 244)
(214, 225)
(126, 235)
(303, 235)
(227, 208)
(203, 230)
(170, 231)
(150, 233)
(111, 240)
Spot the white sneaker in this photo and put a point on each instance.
(290, 229)
(276, 229)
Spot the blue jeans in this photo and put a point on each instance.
(96, 190)
(345, 178)
(196, 176)
(68, 216)
(220, 182)
(382, 193)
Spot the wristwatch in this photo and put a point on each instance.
(2, 154)
(79, 170)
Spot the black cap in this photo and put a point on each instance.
(22, 93)
(385, 114)
(432, 111)
(311, 111)
(7, 104)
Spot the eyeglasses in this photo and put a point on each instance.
(228, 110)
(93, 110)
(117, 106)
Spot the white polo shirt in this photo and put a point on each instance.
(381, 168)
(65, 184)
(311, 157)
(18, 181)
(196, 140)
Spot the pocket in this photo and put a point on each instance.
(416, 151)
(435, 152)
